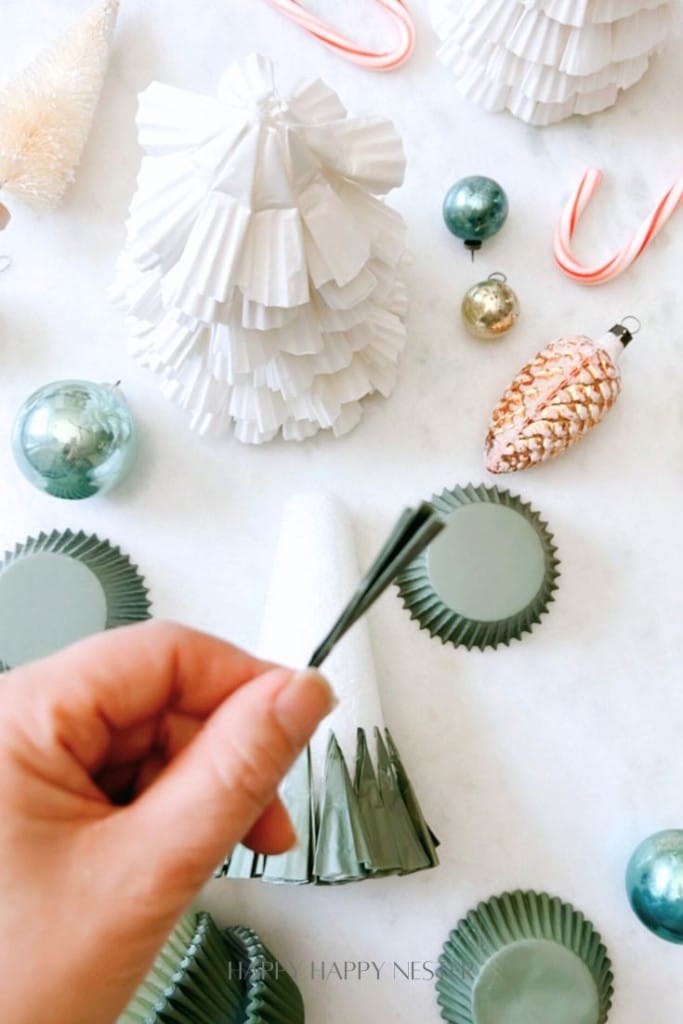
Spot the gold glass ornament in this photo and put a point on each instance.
(490, 308)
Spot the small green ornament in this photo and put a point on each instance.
(475, 209)
(73, 439)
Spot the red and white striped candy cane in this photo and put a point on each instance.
(384, 61)
(626, 256)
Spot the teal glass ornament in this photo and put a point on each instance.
(73, 439)
(475, 209)
(654, 883)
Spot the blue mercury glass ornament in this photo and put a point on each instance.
(73, 438)
(654, 882)
(474, 209)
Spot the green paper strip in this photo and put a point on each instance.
(411, 534)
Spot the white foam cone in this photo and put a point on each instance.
(349, 798)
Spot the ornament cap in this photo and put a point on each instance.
(619, 336)
(474, 245)
(623, 333)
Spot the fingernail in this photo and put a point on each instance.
(302, 704)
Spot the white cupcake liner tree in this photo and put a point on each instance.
(544, 60)
(260, 273)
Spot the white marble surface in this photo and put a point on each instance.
(539, 766)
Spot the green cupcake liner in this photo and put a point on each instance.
(426, 605)
(523, 958)
(272, 996)
(191, 981)
(352, 828)
(118, 586)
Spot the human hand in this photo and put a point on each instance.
(129, 765)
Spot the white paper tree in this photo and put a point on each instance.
(349, 797)
(46, 113)
(545, 60)
(259, 275)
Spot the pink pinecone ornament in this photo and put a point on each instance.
(554, 400)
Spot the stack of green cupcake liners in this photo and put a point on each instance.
(272, 996)
(204, 976)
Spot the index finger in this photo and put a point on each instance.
(129, 675)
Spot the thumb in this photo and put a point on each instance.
(212, 794)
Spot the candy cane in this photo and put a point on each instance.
(626, 256)
(385, 61)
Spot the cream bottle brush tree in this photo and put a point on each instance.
(544, 60)
(47, 111)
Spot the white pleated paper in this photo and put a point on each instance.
(260, 271)
(545, 60)
(315, 572)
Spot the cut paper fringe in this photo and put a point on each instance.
(349, 796)
(545, 60)
(260, 272)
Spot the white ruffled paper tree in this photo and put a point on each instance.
(259, 276)
(545, 60)
(47, 111)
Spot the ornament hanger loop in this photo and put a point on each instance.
(5, 263)
(498, 275)
(634, 319)
(377, 61)
(628, 254)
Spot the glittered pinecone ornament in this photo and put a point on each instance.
(555, 399)
(260, 274)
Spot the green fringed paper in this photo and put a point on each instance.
(271, 995)
(355, 829)
(524, 956)
(349, 797)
